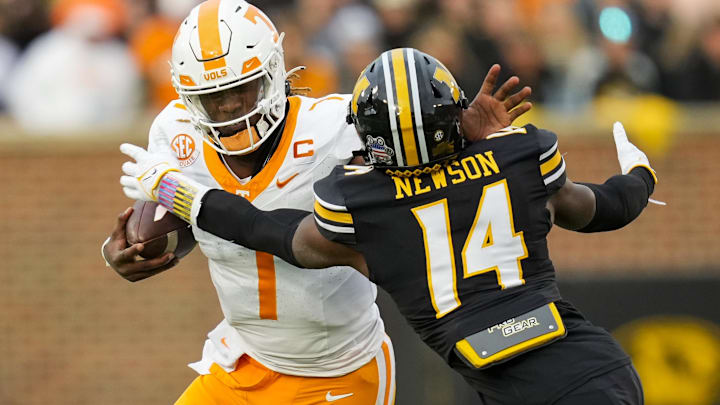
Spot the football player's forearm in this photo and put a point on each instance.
(620, 199)
(289, 234)
(230, 217)
(235, 219)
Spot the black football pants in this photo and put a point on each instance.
(617, 387)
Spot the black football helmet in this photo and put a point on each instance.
(406, 107)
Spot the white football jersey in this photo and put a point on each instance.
(293, 321)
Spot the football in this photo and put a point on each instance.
(159, 230)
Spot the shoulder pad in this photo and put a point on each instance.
(327, 190)
(332, 217)
(546, 139)
(174, 113)
(323, 121)
(175, 107)
(550, 160)
(331, 101)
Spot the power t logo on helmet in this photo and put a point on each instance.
(233, 85)
(407, 107)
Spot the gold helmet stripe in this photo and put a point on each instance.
(404, 108)
(417, 111)
(209, 33)
(391, 110)
(362, 84)
(443, 75)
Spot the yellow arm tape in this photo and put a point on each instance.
(652, 172)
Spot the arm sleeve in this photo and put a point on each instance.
(550, 161)
(332, 217)
(620, 200)
(235, 219)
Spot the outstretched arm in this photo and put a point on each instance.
(587, 207)
(287, 233)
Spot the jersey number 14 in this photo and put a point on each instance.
(491, 245)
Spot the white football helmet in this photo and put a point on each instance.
(228, 68)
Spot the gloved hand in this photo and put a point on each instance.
(630, 156)
(142, 177)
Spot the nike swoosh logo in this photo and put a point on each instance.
(150, 175)
(283, 183)
(224, 342)
(332, 398)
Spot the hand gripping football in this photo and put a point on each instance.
(159, 230)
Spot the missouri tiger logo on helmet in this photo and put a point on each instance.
(406, 107)
(228, 68)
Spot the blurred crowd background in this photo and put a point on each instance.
(80, 65)
(78, 77)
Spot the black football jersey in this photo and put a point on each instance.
(459, 249)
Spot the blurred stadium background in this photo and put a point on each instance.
(78, 77)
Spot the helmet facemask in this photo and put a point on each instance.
(237, 117)
(230, 117)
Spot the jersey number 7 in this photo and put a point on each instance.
(491, 245)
